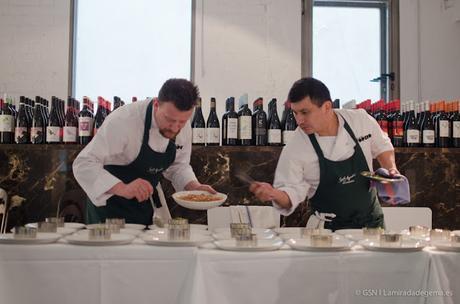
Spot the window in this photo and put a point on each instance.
(129, 48)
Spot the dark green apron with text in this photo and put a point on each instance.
(343, 191)
(148, 165)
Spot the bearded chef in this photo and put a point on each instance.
(137, 145)
(323, 161)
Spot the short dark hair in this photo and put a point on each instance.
(181, 92)
(309, 87)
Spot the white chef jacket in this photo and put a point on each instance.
(118, 142)
(298, 173)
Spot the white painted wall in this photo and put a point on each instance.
(430, 49)
(34, 47)
(246, 46)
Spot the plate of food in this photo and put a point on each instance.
(382, 179)
(199, 200)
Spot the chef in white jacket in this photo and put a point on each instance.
(137, 145)
(323, 161)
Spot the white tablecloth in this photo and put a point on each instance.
(139, 273)
(68, 274)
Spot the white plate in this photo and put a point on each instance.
(295, 230)
(162, 240)
(262, 245)
(116, 239)
(42, 238)
(338, 244)
(127, 226)
(69, 225)
(446, 246)
(198, 205)
(164, 231)
(192, 227)
(406, 246)
(261, 233)
(352, 234)
(122, 231)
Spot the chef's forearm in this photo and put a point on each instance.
(282, 199)
(387, 160)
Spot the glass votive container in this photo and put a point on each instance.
(419, 231)
(390, 240)
(58, 220)
(321, 240)
(21, 232)
(307, 232)
(116, 221)
(100, 232)
(47, 227)
(440, 234)
(239, 228)
(372, 233)
(246, 240)
(178, 232)
(178, 221)
(455, 239)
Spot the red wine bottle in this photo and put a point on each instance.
(212, 126)
(6, 124)
(198, 126)
(274, 125)
(71, 123)
(21, 130)
(85, 123)
(259, 122)
(244, 123)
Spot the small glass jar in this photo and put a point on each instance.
(419, 231)
(246, 240)
(21, 232)
(116, 221)
(321, 240)
(372, 233)
(58, 220)
(100, 232)
(47, 227)
(440, 234)
(390, 240)
(178, 229)
(239, 228)
(455, 239)
(305, 233)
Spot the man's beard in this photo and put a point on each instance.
(168, 134)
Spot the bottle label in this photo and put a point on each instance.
(443, 128)
(85, 126)
(36, 135)
(274, 136)
(245, 127)
(212, 135)
(428, 136)
(70, 134)
(456, 129)
(413, 136)
(198, 135)
(52, 134)
(21, 135)
(232, 130)
(287, 135)
(6, 123)
(398, 129)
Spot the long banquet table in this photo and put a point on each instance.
(140, 273)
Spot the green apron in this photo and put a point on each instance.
(343, 191)
(148, 165)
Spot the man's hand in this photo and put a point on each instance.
(393, 172)
(263, 191)
(195, 185)
(139, 189)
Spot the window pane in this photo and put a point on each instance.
(129, 48)
(346, 51)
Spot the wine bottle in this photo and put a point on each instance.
(231, 124)
(116, 102)
(274, 125)
(456, 124)
(198, 126)
(259, 121)
(442, 126)
(85, 123)
(71, 124)
(53, 130)
(244, 122)
(38, 127)
(212, 126)
(398, 126)
(6, 123)
(290, 124)
(412, 129)
(21, 131)
(427, 128)
(100, 115)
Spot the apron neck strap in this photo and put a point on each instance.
(148, 123)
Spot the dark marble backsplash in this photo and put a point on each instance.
(39, 178)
